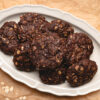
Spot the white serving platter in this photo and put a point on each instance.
(32, 79)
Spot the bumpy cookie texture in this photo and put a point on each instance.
(26, 33)
(48, 51)
(37, 20)
(53, 77)
(79, 46)
(81, 73)
(31, 18)
(8, 37)
(63, 28)
(21, 58)
(31, 24)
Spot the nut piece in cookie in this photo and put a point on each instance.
(48, 51)
(53, 77)
(63, 28)
(81, 73)
(79, 46)
(8, 37)
(21, 58)
(31, 24)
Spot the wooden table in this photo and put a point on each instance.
(88, 10)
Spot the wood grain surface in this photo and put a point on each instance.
(88, 10)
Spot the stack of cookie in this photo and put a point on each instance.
(51, 48)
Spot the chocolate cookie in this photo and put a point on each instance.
(31, 24)
(53, 77)
(37, 20)
(21, 58)
(8, 37)
(79, 46)
(27, 32)
(48, 51)
(63, 28)
(31, 18)
(81, 73)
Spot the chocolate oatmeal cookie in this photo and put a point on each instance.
(8, 37)
(37, 20)
(21, 58)
(48, 51)
(81, 73)
(53, 77)
(31, 24)
(63, 28)
(79, 46)
(31, 18)
(27, 32)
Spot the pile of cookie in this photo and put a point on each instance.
(51, 48)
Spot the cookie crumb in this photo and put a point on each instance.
(11, 88)
(2, 83)
(22, 98)
(7, 99)
(6, 89)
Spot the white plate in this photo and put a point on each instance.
(32, 79)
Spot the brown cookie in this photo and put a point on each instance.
(21, 58)
(27, 32)
(31, 18)
(31, 24)
(48, 51)
(53, 77)
(63, 28)
(8, 37)
(79, 46)
(81, 73)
